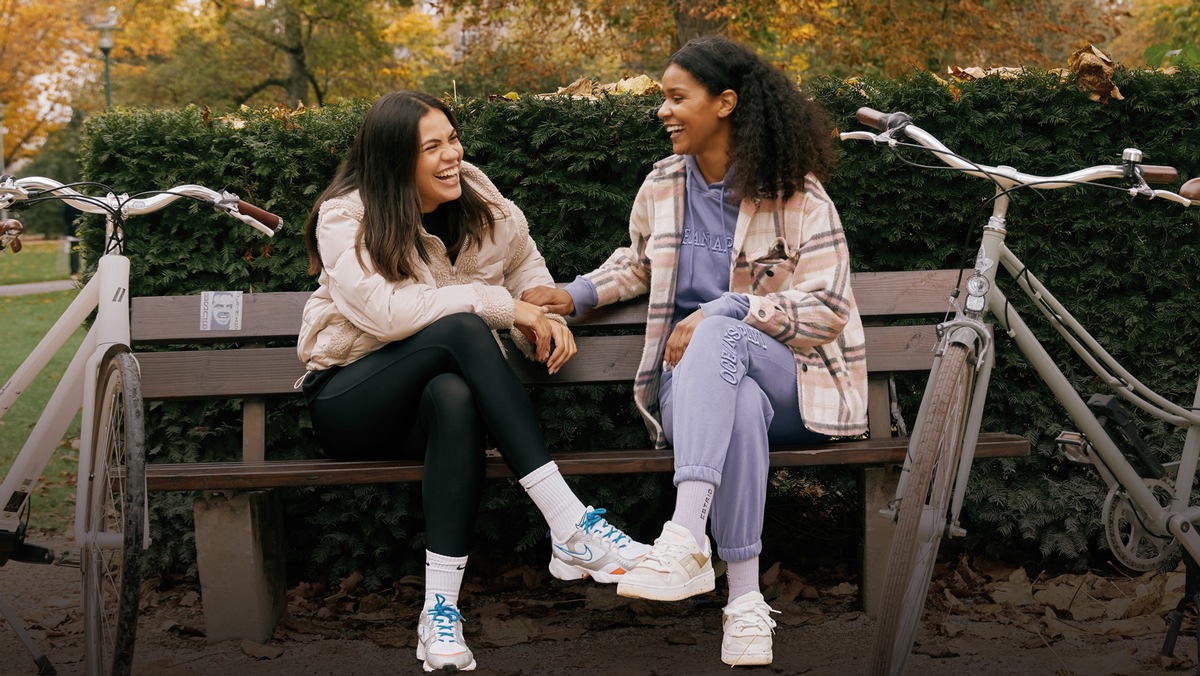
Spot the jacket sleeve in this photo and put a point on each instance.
(815, 304)
(626, 273)
(395, 310)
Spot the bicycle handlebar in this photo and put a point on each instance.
(14, 190)
(892, 125)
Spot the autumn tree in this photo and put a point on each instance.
(42, 52)
(225, 53)
(898, 36)
(1162, 24)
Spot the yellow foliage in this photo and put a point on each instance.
(38, 70)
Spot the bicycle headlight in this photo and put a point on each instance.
(977, 288)
(978, 285)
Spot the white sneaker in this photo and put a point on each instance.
(748, 629)
(596, 549)
(440, 639)
(675, 568)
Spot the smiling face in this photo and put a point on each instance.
(697, 121)
(222, 309)
(439, 158)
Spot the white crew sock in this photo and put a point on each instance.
(443, 575)
(693, 500)
(557, 502)
(742, 577)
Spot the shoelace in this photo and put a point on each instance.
(666, 553)
(755, 614)
(444, 618)
(594, 521)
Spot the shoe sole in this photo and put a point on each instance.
(706, 581)
(565, 571)
(448, 668)
(747, 659)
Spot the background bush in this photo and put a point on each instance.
(1125, 268)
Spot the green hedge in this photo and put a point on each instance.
(574, 166)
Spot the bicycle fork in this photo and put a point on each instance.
(976, 337)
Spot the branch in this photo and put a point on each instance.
(265, 84)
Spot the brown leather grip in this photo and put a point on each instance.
(261, 215)
(11, 230)
(872, 118)
(1156, 173)
(1191, 189)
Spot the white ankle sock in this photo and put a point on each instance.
(742, 577)
(693, 500)
(557, 502)
(443, 575)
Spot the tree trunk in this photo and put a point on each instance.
(691, 20)
(297, 73)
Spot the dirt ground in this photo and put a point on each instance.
(981, 619)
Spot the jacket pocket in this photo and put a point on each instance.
(772, 270)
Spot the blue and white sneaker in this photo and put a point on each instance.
(596, 549)
(440, 639)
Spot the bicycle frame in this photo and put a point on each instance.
(1173, 520)
(107, 293)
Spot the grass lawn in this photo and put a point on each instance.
(25, 320)
(39, 261)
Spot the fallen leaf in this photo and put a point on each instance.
(260, 651)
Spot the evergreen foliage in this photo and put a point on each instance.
(1125, 268)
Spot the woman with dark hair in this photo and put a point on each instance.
(420, 259)
(753, 336)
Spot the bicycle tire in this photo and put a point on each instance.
(110, 560)
(923, 511)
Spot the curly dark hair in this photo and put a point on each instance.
(779, 135)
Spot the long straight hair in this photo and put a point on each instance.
(381, 166)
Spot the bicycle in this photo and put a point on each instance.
(102, 380)
(1146, 515)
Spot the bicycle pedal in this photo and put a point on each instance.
(1074, 447)
(27, 553)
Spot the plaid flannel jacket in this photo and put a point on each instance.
(789, 257)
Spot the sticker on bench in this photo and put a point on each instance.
(220, 310)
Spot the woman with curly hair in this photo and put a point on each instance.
(753, 336)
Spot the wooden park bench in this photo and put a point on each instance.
(239, 530)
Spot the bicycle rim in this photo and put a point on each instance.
(111, 556)
(923, 512)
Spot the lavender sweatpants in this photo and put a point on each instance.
(732, 394)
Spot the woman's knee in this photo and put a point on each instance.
(448, 397)
(714, 330)
(459, 326)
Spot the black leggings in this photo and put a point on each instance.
(436, 392)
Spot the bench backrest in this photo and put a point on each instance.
(273, 317)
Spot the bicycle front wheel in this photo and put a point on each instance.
(923, 511)
(112, 547)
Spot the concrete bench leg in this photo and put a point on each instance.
(239, 554)
(878, 488)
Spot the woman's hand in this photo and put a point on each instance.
(550, 299)
(532, 322)
(564, 347)
(553, 342)
(681, 337)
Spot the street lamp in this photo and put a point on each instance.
(106, 26)
(3, 169)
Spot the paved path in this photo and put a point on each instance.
(36, 287)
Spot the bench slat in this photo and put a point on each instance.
(196, 374)
(276, 315)
(275, 474)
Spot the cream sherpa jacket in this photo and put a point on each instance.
(356, 311)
